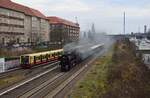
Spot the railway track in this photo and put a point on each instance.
(48, 84)
(19, 88)
(12, 71)
(58, 91)
(45, 87)
(27, 73)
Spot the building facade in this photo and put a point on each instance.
(19, 24)
(63, 31)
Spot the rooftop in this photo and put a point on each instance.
(57, 20)
(21, 8)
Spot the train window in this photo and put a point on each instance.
(58, 53)
(41, 58)
(53, 55)
(61, 53)
(45, 56)
(49, 55)
(34, 59)
(37, 57)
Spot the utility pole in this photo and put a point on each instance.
(145, 29)
(124, 23)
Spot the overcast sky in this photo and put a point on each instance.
(106, 14)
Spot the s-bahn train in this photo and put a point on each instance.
(30, 60)
(71, 58)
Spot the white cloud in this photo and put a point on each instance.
(58, 5)
(70, 5)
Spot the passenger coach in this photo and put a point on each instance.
(29, 60)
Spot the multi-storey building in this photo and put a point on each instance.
(21, 24)
(63, 31)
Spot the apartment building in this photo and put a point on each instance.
(63, 31)
(19, 24)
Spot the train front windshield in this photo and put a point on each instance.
(24, 59)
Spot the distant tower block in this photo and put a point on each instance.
(93, 29)
(145, 28)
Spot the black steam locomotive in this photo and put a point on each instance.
(77, 55)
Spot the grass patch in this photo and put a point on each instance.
(95, 82)
(4, 82)
(128, 77)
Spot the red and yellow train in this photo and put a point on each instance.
(30, 60)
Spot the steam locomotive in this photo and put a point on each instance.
(75, 56)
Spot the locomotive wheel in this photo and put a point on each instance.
(67, 68)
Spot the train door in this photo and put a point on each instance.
(24, 60)
(46, 57)
(41, 58)
(53, 56)
(34, 59)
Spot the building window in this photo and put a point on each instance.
(3, 40)
(17, 40)
(28, 40)
(52, 26)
